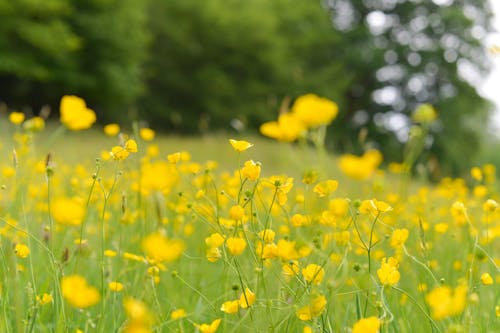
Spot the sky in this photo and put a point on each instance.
(490, 87)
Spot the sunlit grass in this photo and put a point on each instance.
(184, 235)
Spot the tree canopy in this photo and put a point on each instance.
(190, 66)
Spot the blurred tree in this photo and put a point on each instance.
(407, 52)
(218, 60)
(49, 48)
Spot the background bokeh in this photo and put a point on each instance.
(191, 66)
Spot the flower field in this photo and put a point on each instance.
(128, 236)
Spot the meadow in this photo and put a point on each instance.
(116, 230)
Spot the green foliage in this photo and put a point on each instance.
(218, 60)
(51, 48)
(412, 52)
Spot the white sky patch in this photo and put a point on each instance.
(490, 86)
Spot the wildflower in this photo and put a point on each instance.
(214, 240)
(178, 314)
(476, 173)
(486, 279)
(459, 212)
(237, 212)
(35, 124)
(68, 211)
(240, 146)
(147, 134)
(112, 129)
(161, 248)
(208, 328)
(230, 307)
(213, 254)
(313, 273)
(399, 237)
(497, 311)
(424, 113)
(290, 269)
(110, 253)
(446, 302)
(74, 113)
(325, 188)
(115, 286)
(288, 128)
(490, 206)
(388, 272)
(78, 293)
(314, 111)
(140, 318)
(360, 167)
(21, 250)
(236, 245)
(367, 325)
(247, 298)
(16, 118)
(374, 207)
(121, 153)
(313, 310)
(267, 235)
(251, 170)
(174, 158)
(44, 299)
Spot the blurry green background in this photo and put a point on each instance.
(194, 66)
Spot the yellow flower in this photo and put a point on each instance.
(214, 240)
(399, 237)
(240, 145)
(490, 206)
(251, 170)
(110, 253)
(374, 207)
(131, 146)
(446, 302)
(121, 153)
(213, 254)
(178, 314)
(35, 124)
(247, 298)
(236, 245)
(425, 113)
(267, 235)
(313, 273)
(112, 129)
(44, 299)
(313, 310)
(230, 307)
(459, 212)
(209, 328)
(16, 118)
(140, 318)
(174, 158)
(325, 188)
(314, 111)
(367, 325)
(360, 167)
(21, 250)
(476, 173)
(68, 211)
(74, 113)
(388, 272)
(237, 213)
(115, 286)
(147, 134)
(486, 279)
(288, 128)
(161, 248)
(78, 293)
